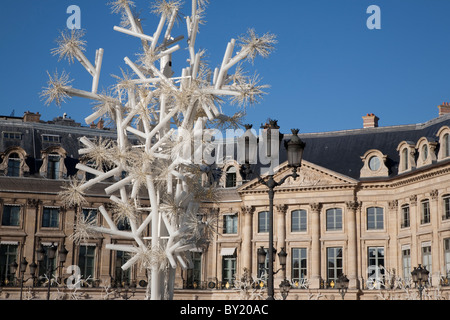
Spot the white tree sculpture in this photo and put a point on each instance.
(153, 105)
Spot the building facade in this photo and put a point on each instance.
(370, 203)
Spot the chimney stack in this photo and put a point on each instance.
(100, 124)
(444, 108)
(31, 117)
(370, 121)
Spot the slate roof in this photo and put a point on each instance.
(341, 151)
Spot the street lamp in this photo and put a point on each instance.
(122, 289)
(342, 284)
(294, 147)
(285, 286)
(420, 278)
(41, 253)
(23, 267)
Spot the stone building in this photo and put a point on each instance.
(370, 203)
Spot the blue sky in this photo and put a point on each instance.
(328, 69)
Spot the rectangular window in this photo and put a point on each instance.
(13, 165)
(51, 138)
(264, 267)
(11, 215)
(47, 262)
(90, 215)
(121, 258)
(375, 218)
(334, 264)
(425, 208)
(406, 263)
(86, 261)
(298, 220)
(405, 217)
(194, 276)
(299, 264)
(124, 224)
(375, 271)
(12, 135)
(447, 256)
(8, 254)
(334, 219)
(53, 166)
(446, 214)
(228, 270)
(50, 217)
(230, 224)
(263, 221)
(426, 258)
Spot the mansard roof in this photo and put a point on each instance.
(341, 151)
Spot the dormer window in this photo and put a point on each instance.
(374, 164)
(53, 163)
(407, 151)
(230, 177)
(444, 141)
(426, 148)
(13, 164)
(53, 166)
(446, 145)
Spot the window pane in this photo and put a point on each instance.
(375, 218)
(86, 261)
(299, 263)
(8, 254)
(334, 219)
(334, 264)
(298, 220)
(50, 218)
(13, 165)
(11, 215)
(263, 221)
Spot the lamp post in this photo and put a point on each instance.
(51, 254)
(342, 284)
(122, 289)
(294, 147)
(420, 278)
(23, 267)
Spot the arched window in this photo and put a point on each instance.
(230, 181)
(446, 143)
(298, 220)
(13, 165)
(405, 159)
(334, 219)
(375, 218)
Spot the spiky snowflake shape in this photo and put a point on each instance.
(69, 44)
(56, 90)
(73, 194)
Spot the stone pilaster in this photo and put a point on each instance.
(281, 237)
(352, 258)
(247, 233)
(315, 277)
(436, 264)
